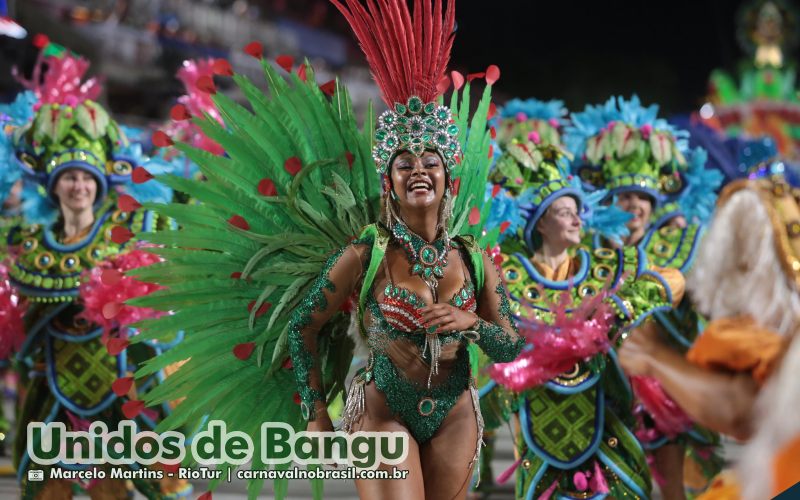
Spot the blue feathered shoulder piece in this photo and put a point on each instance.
(608, 220)
(700, 194)
(534, 109)
(12, 115)
(158, 165)
(505, 207)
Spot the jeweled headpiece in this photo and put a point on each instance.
(408, 57)
(69, 129)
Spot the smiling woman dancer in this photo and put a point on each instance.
(422, 294)
(294, 226)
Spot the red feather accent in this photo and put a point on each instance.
(407, 56)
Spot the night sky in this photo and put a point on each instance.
(583, 52)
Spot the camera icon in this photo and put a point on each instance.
(35, 475)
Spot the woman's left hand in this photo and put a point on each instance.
(640, 350)
(447, 318)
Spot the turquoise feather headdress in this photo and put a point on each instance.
(624, 146)
(531, 119)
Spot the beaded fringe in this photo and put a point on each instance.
(355, 403)
(476, 404)
(434, 344)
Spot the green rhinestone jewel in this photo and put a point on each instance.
(426, 406)
(388, 290)
(459, 301)
(427, 272)
(438, 271)
(404, 294)
(381, 134)
(416, 269)
(429, 108)
(415, 104)
(400, 109)
(452, 129)
(464, 294)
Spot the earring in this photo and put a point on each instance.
(445, 212)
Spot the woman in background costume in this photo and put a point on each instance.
(287, 230)
(575, 436)
(518, 120)
(72, 346)
(639, 159)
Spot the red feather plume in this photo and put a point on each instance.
(407, 56)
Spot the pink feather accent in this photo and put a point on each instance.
(598, 482)
(506, 474)
(104, 304)
(552, 349)
(669, 418)
(12, 310)
(198, 103)
(62, 83)
(549, 491)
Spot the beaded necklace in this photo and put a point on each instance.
(428, 260)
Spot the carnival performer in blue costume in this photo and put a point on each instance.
(641, 161)
(72, 349)
(518, 120)
(574, 404)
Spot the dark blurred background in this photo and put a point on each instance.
(581, 52)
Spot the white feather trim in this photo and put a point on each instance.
(738, 271)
